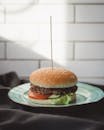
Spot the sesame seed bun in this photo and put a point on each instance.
(53, 78)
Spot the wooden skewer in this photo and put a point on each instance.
(51, 41)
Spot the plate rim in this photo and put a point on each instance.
(55, 106)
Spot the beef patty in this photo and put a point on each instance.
(56, 91)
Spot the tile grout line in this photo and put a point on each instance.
(72, 3)
(74, 21)
(84, 4)
(13, 59)
(73, 59)
(39, 63)
(74, 50)
(89, 77)
(5, 51)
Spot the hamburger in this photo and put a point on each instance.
(52, 86)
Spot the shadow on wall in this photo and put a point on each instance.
(28, 50)
(24, 57)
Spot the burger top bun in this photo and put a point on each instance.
(53, 78)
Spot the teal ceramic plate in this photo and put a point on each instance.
(85, 94)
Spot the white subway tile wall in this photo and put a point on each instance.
(15, 1)
(15, 32)
(29, 50)
(60, 13)
(70, 1)
(90, 13)
(1, 14)
(77, 35)
(78, 32)
(81, 68)
(20, 66)
(89, 51)
(65, 51)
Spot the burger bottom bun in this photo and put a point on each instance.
(49, 101)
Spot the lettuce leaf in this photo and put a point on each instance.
(66, 99)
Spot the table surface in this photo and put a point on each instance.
(92, 111)
(14, 116)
